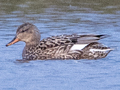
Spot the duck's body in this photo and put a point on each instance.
(59, 47)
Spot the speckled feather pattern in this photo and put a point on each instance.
(87, 54)
(58, 47)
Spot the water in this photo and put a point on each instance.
(56, 17)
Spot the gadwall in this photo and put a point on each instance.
(59, 47)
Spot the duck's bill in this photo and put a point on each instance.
(13, 41)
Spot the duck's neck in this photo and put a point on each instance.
(33, 42)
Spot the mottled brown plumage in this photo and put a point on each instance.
(59, 47)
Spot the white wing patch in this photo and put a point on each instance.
(101, 50)
(78, 46)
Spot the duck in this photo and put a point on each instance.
(59, 47)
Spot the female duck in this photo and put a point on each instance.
(59, 47)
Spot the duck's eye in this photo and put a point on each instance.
(26, 30)
(23, 31)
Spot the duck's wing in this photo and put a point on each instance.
(69, 40)
(86, 39)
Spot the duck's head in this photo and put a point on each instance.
(28, 33)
